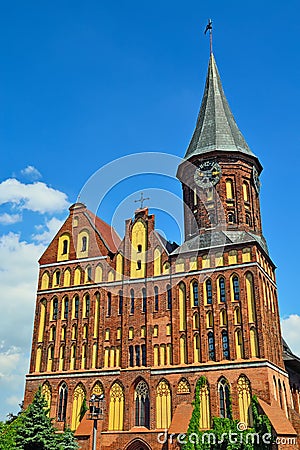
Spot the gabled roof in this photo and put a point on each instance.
(216, 128)
(107, 233)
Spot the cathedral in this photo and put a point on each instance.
(136, 321)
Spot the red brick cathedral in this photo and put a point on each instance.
(140, 320)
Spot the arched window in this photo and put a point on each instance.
(169, 297)
(196, 321)
(182, 307)
(254, 343)
(223, 318)
(65, 247)
(224, 398)
(86, 306)
(209, 319)
(50, 358)
(229, 189)
(45, 281)
(204, 407)
(246, 192)
(73, 357)
(144, 355)
(83, 243)
(131, 301)
(131, 356)
(156, 299)
(108, 307)
(76, 307)
(54, 308)
(163, 405)
(222, 290)
(250, 297)
(116, 407)
(196, 348)
(162, 355)
(183, 352)
(119, 266)
(120, 302)
(130, 333)
(166, 268)
(85, 331)
(244, 395)
(155, 331)
(183, 386)
(98, 274)
(195, 293)
(38, 359)
(78, 399)
(235, 288)
(65, 308)
(42, 320)
(88, 274)
(231, 217)
(144, 306)
(225, 345)
(211, 346)
(248, 220)
(77, 276)
(52, 333)
(142, 405)
(237, 316)
(157, 262)
(239, 346)
(208, 292)
(62, 402)
(107, 334)
(67, 277)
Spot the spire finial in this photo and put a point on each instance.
(209, 28)
(141, 200)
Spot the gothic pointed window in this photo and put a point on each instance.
(236, 288)
(169, 297)
(65, 247)
(78, 399)
(84, 244)
(108, 312)
(224, 398)
(144, 358)
(231, 217)
(66, 308)
(131, 301)
(229, 189)
(244, 396)
(222, 290)
(208, 288)
(55, 309)
(195, 294)
(225, 344)
(204, 407)
(62, 403)
(144, 306)
(116, 407)
(163, 405)
(142, 405)
(120, 302)
(156, 299)
(211, 346)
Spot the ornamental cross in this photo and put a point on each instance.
(142, 199)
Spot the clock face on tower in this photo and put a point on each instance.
(208, 174)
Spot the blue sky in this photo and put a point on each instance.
(84, 83)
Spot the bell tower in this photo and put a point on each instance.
(219, 174)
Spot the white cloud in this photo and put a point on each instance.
(18, 281)
(52, 227)
(9, 219)
(37, 197)
(290, 331)
(31, 173)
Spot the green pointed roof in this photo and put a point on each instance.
(216, 128)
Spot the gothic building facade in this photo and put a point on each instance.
(140, 319)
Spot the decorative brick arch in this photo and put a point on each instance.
(137, 444)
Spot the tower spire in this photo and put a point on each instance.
(216, 128)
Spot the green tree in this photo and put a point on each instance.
(67, 441)
(36, 431)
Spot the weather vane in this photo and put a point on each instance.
(209, 28)
(141, 200)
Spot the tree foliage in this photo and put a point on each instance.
(225, 433)
(33, 429)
